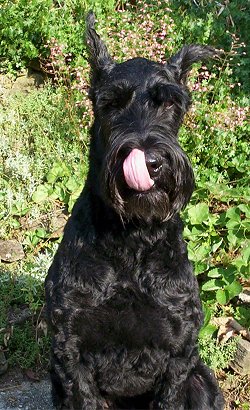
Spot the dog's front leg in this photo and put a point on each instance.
(193, 389)
(73, 384)
(170, 386)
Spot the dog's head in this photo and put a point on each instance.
(140, 168)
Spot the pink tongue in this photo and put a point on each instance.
(136, 172)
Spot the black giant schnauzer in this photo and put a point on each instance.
(122, 299)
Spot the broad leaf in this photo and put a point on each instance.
(212, 284)
(198, 213)
(222, 296)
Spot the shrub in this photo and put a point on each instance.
(35, 22)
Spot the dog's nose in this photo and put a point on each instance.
(154, 165)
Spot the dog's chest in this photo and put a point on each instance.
(134, 301)
(133, 316)
(128, 316)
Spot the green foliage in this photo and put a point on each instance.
(35, 22)
(48, 165)
(26, 343)
(219, 248)
(60, 184)
(25, 350)
(221, 24)
(217, 356)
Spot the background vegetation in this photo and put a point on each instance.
(44, 146)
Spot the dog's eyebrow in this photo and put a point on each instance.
(117, 90)
(118, 94)
(122, 86)
(164, 90)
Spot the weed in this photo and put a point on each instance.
(217, 356)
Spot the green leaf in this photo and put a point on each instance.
(187, 233)
(222, 296)
(197, 231)
(245, 208)
(228, 274)
(72, 184)
(208, 330)
(41, 194)
(73, 197)
(40, 233)
(200, 267)
(198, 213)
(207, 315)
(15, 224)
(58, 170)
(244, 258)
(200, 253)
(216, 245)
(232, 238)
(19, 209)
(60, 192)
(214, 273)
(233, 214)
(212, 284)
(233, 224)
(234, 289)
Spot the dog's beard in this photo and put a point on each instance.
(147, 206)
(160, 203)
(170, 193)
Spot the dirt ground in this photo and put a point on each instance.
(17, 392)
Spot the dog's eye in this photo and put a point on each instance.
(118, 101)
(165, 95)
(117, 97)
(168, 104)
(115, 103)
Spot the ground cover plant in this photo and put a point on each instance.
(44, 145)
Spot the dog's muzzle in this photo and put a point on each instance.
(140, 169)
(135, 171)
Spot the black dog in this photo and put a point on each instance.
(121, 296)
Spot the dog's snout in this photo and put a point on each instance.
(154, 165)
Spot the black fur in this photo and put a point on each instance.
(122, 299)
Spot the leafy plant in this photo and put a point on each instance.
(35, 22)
(217, 357)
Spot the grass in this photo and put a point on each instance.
(44, 146)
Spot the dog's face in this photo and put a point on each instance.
(139, 106)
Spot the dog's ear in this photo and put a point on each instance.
(181, 63)
(99, 57)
